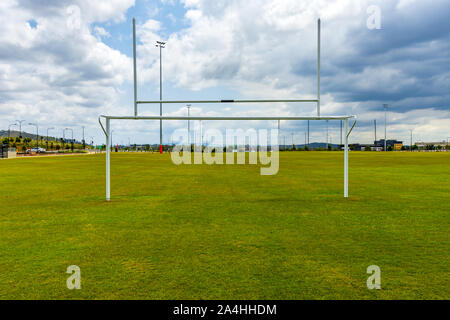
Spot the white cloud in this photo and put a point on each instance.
(267, 48)
(59, 72)
(101, 32)
(260, 49)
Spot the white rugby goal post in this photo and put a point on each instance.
(107, 128)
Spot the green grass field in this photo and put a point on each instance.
(226, 232)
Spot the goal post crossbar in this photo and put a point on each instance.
(227, 101)
(224, 118)
(107, 132)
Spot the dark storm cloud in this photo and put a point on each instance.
(406, 63)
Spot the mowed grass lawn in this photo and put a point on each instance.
(226, 232)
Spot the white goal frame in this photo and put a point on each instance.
(108, 119)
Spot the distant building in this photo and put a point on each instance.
(423, 145)
(392, 143)
(359, 147)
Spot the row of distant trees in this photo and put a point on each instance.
(23, 144)
(148, 148)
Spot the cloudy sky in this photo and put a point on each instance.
(65, 62)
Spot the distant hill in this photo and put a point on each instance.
(4, 134)
(14, 134)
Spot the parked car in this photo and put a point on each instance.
(36, 150)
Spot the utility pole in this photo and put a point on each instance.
(111, 137)
(327, 135)
(20, 127)
(410, 146)
(308, 133)
(72, 142)
(279, 132)
(9, 130)
(189, 125)
(292, 141)
(375, 126)
(161, 46)
(47, 135)
(201, 135)
(37, 133)
(385, 106)
(84, 142)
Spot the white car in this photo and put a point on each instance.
(38, 150)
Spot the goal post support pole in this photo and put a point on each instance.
(346, 159)
(108, 160)
(318, 67)
(134, 68)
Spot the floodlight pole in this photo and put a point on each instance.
(134, 67)
(20, 127)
